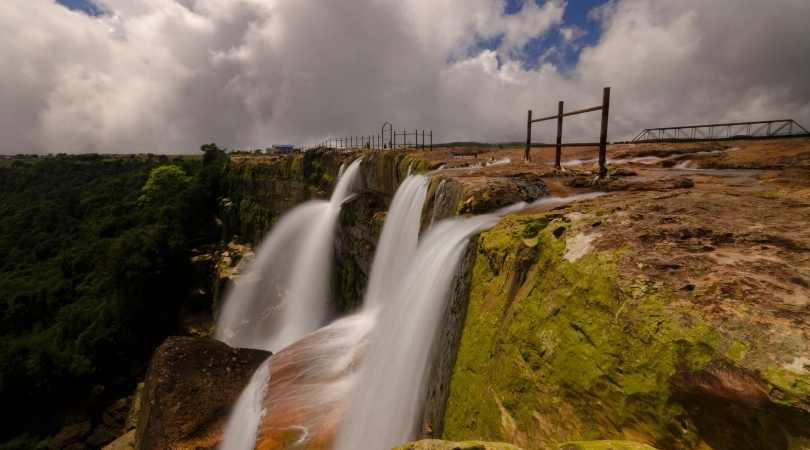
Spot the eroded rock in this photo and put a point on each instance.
(190, 387)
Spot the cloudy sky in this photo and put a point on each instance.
(168, 75)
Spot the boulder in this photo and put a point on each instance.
(189, 389)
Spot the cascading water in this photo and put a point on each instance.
(317, 370)
(385, 405)
(387, 401)
(284, 293)
(398, 240)
(362, 379)
(243, 425)
(281, 298)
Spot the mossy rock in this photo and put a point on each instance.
(556, 351)
(434, 444)
(604, 445)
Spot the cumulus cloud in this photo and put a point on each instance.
(168, 75)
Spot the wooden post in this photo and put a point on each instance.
(423, 139)
(526, 156)
(603, 133)
(431, 139)
(558, 154)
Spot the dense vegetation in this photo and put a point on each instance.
(95, 264)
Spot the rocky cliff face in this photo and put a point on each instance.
(665, 318)
(260, 190)
(191, 386)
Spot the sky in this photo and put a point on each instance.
(129, 76)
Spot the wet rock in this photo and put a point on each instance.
(358, 230)
(459, 195)
(735, 408)
(433, 444)
(190, 387)
(579, 182)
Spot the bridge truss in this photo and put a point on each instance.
(736, 130)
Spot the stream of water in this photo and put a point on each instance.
(284, 294)
(359, 382)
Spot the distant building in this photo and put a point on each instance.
(284, 148)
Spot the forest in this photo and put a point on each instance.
(95, 263)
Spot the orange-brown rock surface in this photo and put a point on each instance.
(190, 388)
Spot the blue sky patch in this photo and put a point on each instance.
(551, 46)
(85, 6)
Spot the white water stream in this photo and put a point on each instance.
(284, 294)
(365, 374)
(385, 405)
(398, 240)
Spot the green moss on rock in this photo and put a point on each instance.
(555, 351)
(604, 445)
(434, 444)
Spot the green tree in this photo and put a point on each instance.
(167, 186)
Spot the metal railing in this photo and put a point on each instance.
(388, 138)
(604, 107)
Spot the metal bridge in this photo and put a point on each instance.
(714, 131)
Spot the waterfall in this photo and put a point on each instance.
(361, 380)
(319, 368)
(243, 425)
(284, 293)
(385, 406)
(398, 240)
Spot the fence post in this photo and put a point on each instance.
(603, 133)
(526, 156)
(431, 139)
(558, 155)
